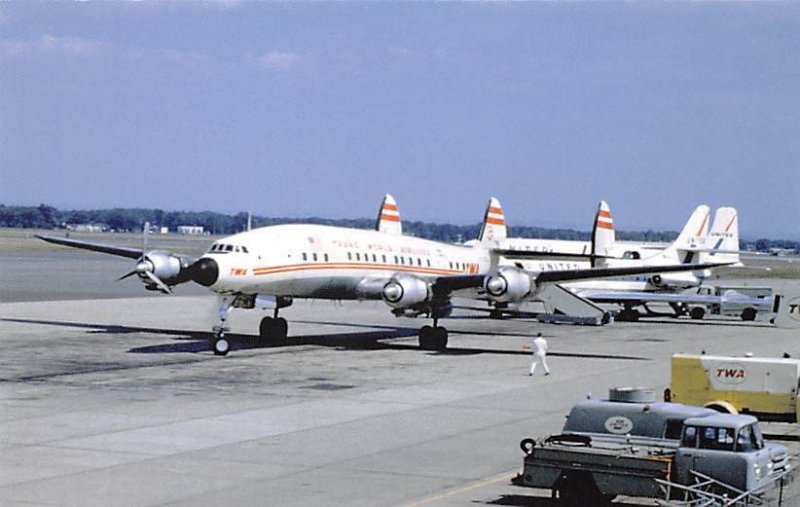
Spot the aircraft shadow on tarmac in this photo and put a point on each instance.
(194, 341)
(533, 501)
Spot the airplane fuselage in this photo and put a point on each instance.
(316, 261)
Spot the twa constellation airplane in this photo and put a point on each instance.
(270, 266)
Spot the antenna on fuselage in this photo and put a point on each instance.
(249, 220)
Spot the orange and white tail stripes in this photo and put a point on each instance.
(493, 229)
(603, 235)
(389, 217)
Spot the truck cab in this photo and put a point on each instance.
(728, 448)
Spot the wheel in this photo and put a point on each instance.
(628, 315)
(496, 314)
(266, 328)
(527, 445)
(439, 339)
(221, 346)
(281, 328)
(697, 313)
(579, 489)
(425, 337)
(749, 314)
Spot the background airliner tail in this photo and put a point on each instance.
(692, 236)
(493, 229)
(389, 217)
(722, 244)
(603, 236)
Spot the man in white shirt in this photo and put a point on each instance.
(539, 350)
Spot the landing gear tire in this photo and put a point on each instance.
(281, 328)
(432, 338)
(273, 329)
(628, 315)
(697, 313)
(439, 339)
(265, 329)
(425, 338)
(221, 345)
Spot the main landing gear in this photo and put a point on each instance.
(433, 338)
(271, 328)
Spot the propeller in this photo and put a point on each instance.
(145, 267)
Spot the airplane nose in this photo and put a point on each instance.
(205, 272)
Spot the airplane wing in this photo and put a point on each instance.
(594, 273)
(130, 253)
(444, 286)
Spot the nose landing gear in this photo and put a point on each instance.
(219, 344)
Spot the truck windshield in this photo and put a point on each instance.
(689, 437)
(719, 439)
(758, 440)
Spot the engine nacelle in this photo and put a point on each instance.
(406, 291)
(165, 265)
(508, 284)
(675, 281)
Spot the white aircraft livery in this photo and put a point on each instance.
(268, 267)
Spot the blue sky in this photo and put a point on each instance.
(298, 109)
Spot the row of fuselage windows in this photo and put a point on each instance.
(382, 258)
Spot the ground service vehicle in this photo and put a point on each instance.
(610, 448)
(762, 386)
(744, 302)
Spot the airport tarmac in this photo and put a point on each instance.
(118, 400)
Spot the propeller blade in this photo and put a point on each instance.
(145, 233)
(161, 285)
(126, 276)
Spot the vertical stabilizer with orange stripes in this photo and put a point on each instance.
(603, 236)
(389, 217)
(493, 230)
(723, 238)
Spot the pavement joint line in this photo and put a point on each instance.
(462, 489)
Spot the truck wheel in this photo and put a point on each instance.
(579, 490)
(749, 314)
(697, 313)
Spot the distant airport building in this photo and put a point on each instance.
(782, 251)
(190, 229)
(164, 230)
(86, 227)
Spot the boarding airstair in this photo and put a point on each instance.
(561, 305)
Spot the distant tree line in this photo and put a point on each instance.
(132, 219)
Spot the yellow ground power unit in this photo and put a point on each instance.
(762, 386)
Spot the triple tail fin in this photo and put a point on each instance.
(603, 235)
(389, 217)
(493, 230)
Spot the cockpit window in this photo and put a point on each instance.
(228, 248)
(244, 249)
